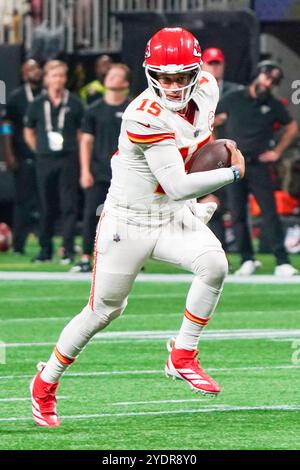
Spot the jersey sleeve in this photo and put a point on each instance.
(146, 121)
(154, 138)
(146, 134)
(208, 82)
(166, 164)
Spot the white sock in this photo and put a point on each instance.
(188, 336)
(201, 298)
(53, 370)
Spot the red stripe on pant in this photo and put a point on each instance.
(61, 358)
(193, 318)
(92, 293)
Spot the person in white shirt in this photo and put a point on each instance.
(151, 212)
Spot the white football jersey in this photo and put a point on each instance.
(135, 194)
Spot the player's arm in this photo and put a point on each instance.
(88, 131)
(220, 119)
(222, 110)
(9, 156)
(79, 115)
(86, 146)
(8, 132)
(289, 133)
(30, 138)
(31, 119)
(166, 164)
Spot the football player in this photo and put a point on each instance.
(151, 212)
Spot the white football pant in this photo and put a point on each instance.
(120, 252)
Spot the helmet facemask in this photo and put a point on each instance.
(187, 92)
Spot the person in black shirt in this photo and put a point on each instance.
(95, 90)
(18, 156)
(214, 63)
(250, 114)
(99, 141)
(52, 131)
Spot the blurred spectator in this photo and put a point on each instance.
(52, 130)
(95, 89)
(99, 141)
(250, 114)
(36, 10)
(77, 79)
(18, 156)
(214, 62)
(16, 21)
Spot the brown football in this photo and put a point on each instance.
(211, 156)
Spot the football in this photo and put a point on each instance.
(5, 237)
(212, 156)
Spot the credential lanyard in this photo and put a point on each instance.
(28, 93)
(61, 115)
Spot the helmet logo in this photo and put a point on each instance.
(197, 50)
(172, 68)
(147, 50)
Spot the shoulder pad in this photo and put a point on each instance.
(145, 109)
(208, 82)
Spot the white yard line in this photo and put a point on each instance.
(163, 295)
(207, 335)
(85, 297)
(207, 409)
(33, 320)
(90, 374)
(79, 277)
(158, 402)
(158, 371)
(158, 335)
(135, 315)
(8, 400)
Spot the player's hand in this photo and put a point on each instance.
(220, 119)
(237, 159)
(204, 210)
(86, 180)
(209, 198)
(269, 156)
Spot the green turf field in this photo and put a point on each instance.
(116, 396)
(11, 262)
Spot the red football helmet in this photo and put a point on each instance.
(172, 51)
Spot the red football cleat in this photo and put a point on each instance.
(43, 401)
(183, 364)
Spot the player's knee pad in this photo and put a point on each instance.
(90, 321)
(107, 310)
(110, 295)
(211, 267)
